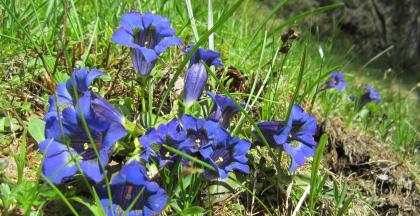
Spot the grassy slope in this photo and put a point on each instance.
(38, 47)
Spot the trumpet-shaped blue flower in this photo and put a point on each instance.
(187, 134)
(67, 142)
(370, 95)
(296, 137)
(171, 134)
(223, 110)
(196, 76)
(201, 138)
(131, 186)
(147, 35)
(336, 81)
(226, 158)
(82, 79)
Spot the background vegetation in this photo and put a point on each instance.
(370, 161)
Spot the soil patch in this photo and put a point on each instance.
(381, 176)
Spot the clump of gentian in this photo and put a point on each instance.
(67, 141)
(201, 138)
(295, 137)
(224, 108)
(196, 76)
(229, 157)
(370, 95)
(147, 35)
(336, 81)
(130, 185)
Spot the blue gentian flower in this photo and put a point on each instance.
(226, 158)
(336, 81)
(196, 76)
(82, 79)
(370, 95)
(296, 137)
(147, 35)
(128, 184)
(201, 138)
(67, 142)
(187, 134)
(223, 110)
(171, 134)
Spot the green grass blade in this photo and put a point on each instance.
(252, 194)
(61, 195)
(295, 19)
(192, 19)
(210, 23)
(314, 173)
(298, 83)
(262, 24)
(189, 157)
(247, 116)
(86, 54)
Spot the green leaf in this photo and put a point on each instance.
(193, 210)
(2, 124)
(94, 209)
(36, 128)
(222, 189)
(61, 77)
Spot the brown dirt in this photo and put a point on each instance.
(385, 179)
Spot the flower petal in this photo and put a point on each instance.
(167, 42)
(92, 169)
(93, 74)
(195, 81)
(59, 167)
(132, 172)
(123, 37)
(131, 21)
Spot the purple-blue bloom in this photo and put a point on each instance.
(336, 81)
(226, 158)
(224, 109)
(370, 95)
(171, 134)
(201, 138)
(196, 76)
(147, 35)
(129, 184)
(296, 137)
(67, 142)
(82, 79)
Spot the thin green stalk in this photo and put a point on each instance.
(61, 195)
(317, 86)
(252, 194)
(86, 54)
(298, 83)
(79, 26)
(210, 23)
(91, 140)
(247, 116)
(256, 97)
(247, 105)
(127, 211)
(150, 97)
(314, 172)
(192, 19)
(294, 19)
(41, 29)
(264, 22)
(189, 157)
(72, 156)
